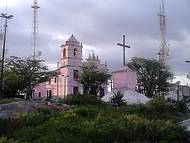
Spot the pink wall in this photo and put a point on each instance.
(124, 79)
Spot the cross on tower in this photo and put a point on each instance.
(124, 46)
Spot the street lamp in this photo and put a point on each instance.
(57, 79)
(178, 83)
(6, 17)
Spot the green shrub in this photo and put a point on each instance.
(5, 140)
(89, 125)
(182, 105)
(118, 98)
(159, 108)
(82, 100)
(86, 112)
(8, 100)
(9, 126)
(160, 105)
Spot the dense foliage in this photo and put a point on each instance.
(81, 100)
(21, 75)
(152, 122)
(93, 79)
(152, 77)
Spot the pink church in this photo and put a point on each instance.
(67, 81)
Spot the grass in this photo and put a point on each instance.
(92, 124)
(8, 100)
(155, 121)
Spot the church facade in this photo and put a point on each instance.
(67, 80)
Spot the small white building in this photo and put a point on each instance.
(125, 80)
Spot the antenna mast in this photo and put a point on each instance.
(35, 33)
(164, 49)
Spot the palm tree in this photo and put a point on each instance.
(117, 98)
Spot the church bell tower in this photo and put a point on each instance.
(71, 58)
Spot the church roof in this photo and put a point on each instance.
(72, 39)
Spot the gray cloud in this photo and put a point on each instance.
(100, 25)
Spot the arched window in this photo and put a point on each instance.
(75, 52)
(64, 53)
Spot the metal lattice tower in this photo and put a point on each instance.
(164, 47)
(35, 32)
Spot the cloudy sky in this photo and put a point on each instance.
(100, 24)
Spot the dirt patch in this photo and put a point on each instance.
(10, 110)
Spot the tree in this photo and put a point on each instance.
(92, 79)
(117, 98)
(152, 77)
(12, 83)
(21, 75)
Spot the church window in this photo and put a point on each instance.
(64, 53)
(55, 80)
(75, 74)
(75, 52)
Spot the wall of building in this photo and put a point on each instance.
(178, 90)
(124, 79)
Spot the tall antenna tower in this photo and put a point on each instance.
(164, 47)
(35, 31)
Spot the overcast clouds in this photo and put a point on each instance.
(100, 24)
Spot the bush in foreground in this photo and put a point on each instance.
(9, 126)
(97, 124)
(81, 100)
(88, 124)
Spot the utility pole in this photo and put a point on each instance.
(1, 38)
(57, 79)
(6, 17)
(124, 46)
